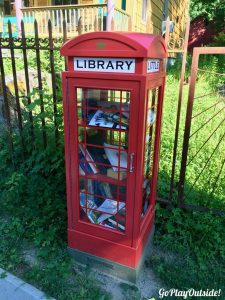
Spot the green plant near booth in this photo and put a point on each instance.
(190, 247)
(190, 250)
(33, 213)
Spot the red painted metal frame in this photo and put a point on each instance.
(124, 248)
(194, 70)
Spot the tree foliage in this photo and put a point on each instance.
(210, 9)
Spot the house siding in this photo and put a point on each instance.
(153, 23)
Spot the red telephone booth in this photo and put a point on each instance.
(113, 97)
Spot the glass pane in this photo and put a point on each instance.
(80, 97)
(102, 189)
(107, 99)
(80, 116)
(103, 124)
(103, 218)
(108, 119)
(112, 137)
(81, 134)
(103, 108)
(149, 145)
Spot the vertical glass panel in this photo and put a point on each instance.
(149, 147)
(102, 189)
(81, 134)
(80, 97)
(103, 125)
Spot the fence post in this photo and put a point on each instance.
(27, 78)
(6, 103)
(179, 107)
(40, 87)
(19, 115)
(64, 40)
(52, 66)
(194, 68)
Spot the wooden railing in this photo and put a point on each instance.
(121, 21)
(1, 20)
(79, 19)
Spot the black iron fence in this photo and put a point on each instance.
(38, 62)
(32, 57)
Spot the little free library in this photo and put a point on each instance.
(112, 99)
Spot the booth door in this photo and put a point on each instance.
(103, 135)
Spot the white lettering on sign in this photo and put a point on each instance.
(115, 65)
(153, 65)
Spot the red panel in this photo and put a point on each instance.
(103, 248)
(123, 247)
(117, 252)
(87, 227)
(114, 44)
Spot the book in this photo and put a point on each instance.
(86, 156)
(121, 223)
(108, 119)
(113, 156)
(109, 207)
(114, 174)
(83, 165)
(112, 223)
(91, 214)
(102, 189)
(98, 155)
(151, 117)
(99, 120)
(81, 171)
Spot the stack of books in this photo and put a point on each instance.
(86, 167)
(105, 213)
(108, 157)
(109, 119)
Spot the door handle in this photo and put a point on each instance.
(131, 162)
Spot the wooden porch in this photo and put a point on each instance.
(79, 18)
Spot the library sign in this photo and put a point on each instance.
(153, 65)
(96, 64)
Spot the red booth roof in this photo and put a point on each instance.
(115, 44)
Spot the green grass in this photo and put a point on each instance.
(205, 182)
(190, 245)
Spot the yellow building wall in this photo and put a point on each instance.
(176, 10)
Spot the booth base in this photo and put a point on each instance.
(112, 268)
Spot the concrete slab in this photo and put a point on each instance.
(13, 288)
(112, 268)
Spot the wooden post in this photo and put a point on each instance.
(149, 25)
(112, 24)
(19, 15)
(129, 23)
(167, 34)
(110, 14)
(179, 107)
(79, 27)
